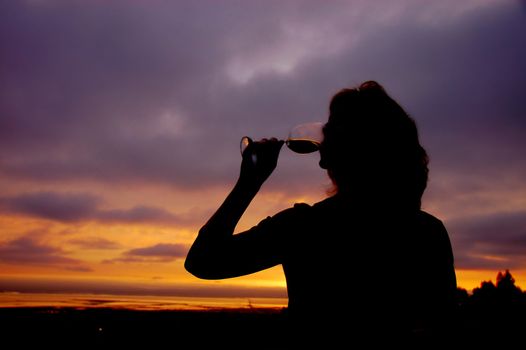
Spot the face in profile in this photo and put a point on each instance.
(371, 146)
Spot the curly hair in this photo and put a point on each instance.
(371, 148)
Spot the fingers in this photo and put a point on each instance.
(272, 142)
(269, 147)
(266, 148)
(260, 160)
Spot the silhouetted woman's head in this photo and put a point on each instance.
(371, 148)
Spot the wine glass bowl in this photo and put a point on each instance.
(303, 138)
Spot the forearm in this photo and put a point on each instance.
(205, 253)
(225, 219)
(208, 256)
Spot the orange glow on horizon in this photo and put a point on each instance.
(95, 251)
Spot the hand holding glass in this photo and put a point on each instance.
(303, 138)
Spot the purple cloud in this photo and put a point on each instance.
(162, 252)
(75, 207)
(94, 243)
(26, 251)
(138, 214)
(62, 207)
(150, 93)
(490, 241)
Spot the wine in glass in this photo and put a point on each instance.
(303, 138)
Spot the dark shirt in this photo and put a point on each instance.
(351, 271)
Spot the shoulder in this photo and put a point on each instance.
(327, 204)
(299, 211)
(300, 214)
(429, 220)
(289, 216)
(435, 230)
(433, 226)
(307, 209)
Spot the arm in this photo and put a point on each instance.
(216, 253)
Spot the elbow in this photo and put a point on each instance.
(199, 268)
(200, 272)
(195, 261)
(205, 260)
(192, 265)
(193, 268)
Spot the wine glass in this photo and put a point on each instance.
(303, 138)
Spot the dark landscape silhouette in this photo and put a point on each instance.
(492, 315)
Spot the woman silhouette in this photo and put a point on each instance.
(365, 264)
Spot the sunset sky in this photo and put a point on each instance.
(120, 124)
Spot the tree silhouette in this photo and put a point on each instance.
(507, 291)
(505, 279)
(493, 315)
(502, 294)
(486, 293)
(462, 296)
